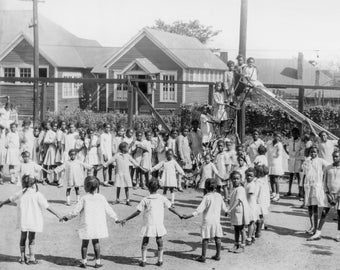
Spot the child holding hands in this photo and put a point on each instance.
(153, 220)
(30, 219)
(211, 207)
(92, 209)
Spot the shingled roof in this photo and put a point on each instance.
(188, 52)
(59, 46)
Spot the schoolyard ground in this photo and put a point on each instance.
(282, 246)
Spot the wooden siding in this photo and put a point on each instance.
(196, 94)
(23, 54)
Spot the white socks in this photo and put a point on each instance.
(68, 200)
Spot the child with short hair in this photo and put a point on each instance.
(50, 148)
(170, 169)
(13, 150)
(137, 153)
(152, 207)
(92, 209)
(27, 137)
(206, 126)
(30, 218)
(74, 174)
(223, 164)
(211, 207)
(106, 151)
(92, 157)
(122, 159)
(241, 167)
(252, 192)
(239, 212)
(36, 146)
(261, 158)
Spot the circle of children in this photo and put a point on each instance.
(240, 180)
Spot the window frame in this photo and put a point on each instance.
(74, 88)
(162, 97)
(120, 90)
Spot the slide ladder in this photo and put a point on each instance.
(298, 116)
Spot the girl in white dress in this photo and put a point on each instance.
(275, 165)
(116, 140)
(27, 137)
(92, 157)
(123, 178)
(146, 162)
(170, 170)
(61, 133)
(74, 174)
(36, 146)
(13, 149)
(50, 146)
(208, 170)
(137, 150)
(81, 145)
(239, 212)
(253, 147)
(313, 168)
(30, 218)
(220, 113)
(206, 126)
(92, 209)
(152, 207)
(106, 150)
(128, 138)
(2, 152)
(252, 192)
(70, 141)
(210, 207)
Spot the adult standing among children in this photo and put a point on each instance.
(275, 153)
(252, 150)
(326, 147)
(293, 149)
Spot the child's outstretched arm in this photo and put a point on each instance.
(8, 201)
(51, 210)
(75, 212)
(173, 210)
(198, 210)
(123, 221)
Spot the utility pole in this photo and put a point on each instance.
(35, 61)
(241, 115)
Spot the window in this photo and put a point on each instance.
(25, 72)
(71, 90)
(120, 93)
(9, 72)
(43, 72)
(209, 76)
(191, 75)
(168, 90)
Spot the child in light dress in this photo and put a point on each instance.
(241, 167)
(2, 152)
(147, 157)
(313, 168)
(30, 218)
(152, 207)
(170, 169)
(36, 146)
(137, 150)
(92, 157)
(206, 126)
(239, 212)
(123, 178)
(252, 192)
(184, 150)
(261, 158)
(81, 145)
(252, 150)
(92, 209)
(332, 189)
(50, 146)
(74, 174)
(106, 151)
(116, 140)
(211, 207)
(27, 137)
(263, 199)
(13, 150)
(208, 170)
(223, 164)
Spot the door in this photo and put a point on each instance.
(143, 86)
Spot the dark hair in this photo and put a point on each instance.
(147, 132)
(91, 184)
(262, 150)
(255, 130)
(296, 130)
(13, 124)
(24, 153)
(169, 151)
(221, 142)
(210, 184)
(230, 63)
(26, 122)
(250, 58)
(129, 129)
(313, 147)
(233, 173)
(174, 130)
(153, 185)
(72, 151)
(250, 170)
(335, 152)
(122, 145)
(28, 182)
(240, 56)
(106, 124)
(138, 132)
(195, 122)
(239, 146)
(321, 132)
(261, 170)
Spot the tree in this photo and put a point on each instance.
(192, 29)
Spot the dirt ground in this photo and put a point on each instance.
(282, 246)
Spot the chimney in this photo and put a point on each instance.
(224, 57)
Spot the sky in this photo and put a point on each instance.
(276, 28)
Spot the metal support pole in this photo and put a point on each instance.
(241, 115)
(130, 97)
(35, 61)
(300, 105)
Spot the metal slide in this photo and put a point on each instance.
(269, 96)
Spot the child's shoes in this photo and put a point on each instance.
(142, 264)
(240, 249)
(200, 259)
(216, 258)
(159, 263)
(249, 242)
(128, 203)
(234, 248)
(98, 265)
(82, 265)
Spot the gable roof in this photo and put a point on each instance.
(142, 63)
(186, 51)
(60, 47)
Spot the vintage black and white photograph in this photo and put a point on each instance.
(169, 134)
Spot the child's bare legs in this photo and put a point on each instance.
(84, 245)
(127, 196)
(145, 179)
(313, 216)
(205, 242)
(159, 241)
(117, 194)
(110, 170)
(172, 191)
(145, 243)
(96, 248)
(239, 233)
(23, 247)
(132, 172)
(31, 244)
(68, 198)
(318, 228)
(251, 228)
(274, 183)
(77, 193)
(259, 224)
